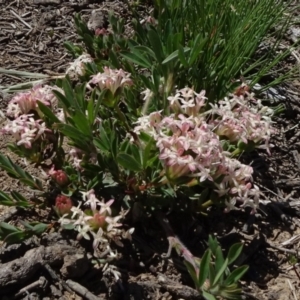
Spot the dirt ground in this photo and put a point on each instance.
(31, 37)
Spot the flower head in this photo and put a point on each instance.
(187, 101)
(59, 176)
(77, 66)
(25, 129)
(242, 119)
(63, 205)
(111, 79)
(26, 102)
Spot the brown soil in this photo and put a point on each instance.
(31, 37)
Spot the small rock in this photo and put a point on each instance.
(74, 266)
(55, 291)
(295, 34)
(98, 19)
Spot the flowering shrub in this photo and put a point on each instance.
(190, 142)
(190, 146)
(126, 130)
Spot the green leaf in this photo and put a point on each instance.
(234, 252)
(204, 268)
(21, 200)
(212, 273)
(103, 142)
(24, 74)
(181, 55)
(48, 112)
(136, 153)
(75, 135)
(129, 162)
(63, 101)
(16, 237)
(98, 99)
(197, 48)
(208, 296)
(147, 82)
(145, 50)
(6, 200)
(40, 228)
(156, 45)
(192, 272)
(204, 196)
(9, 227)
(146, 153)
(140, 60)
(236, 275)
(27, 226)
(79, 99)
(114, 145)
(220, 272)
(14, 171)
(114, 59)
(213, 244)
(174, 55)
(82, 123)
(219, 258)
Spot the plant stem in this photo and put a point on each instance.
(207, 204)
(122, 118)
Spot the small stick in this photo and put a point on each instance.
(55, 277)
(41, 283)
(293, 290)
(293, 252)
(81, 290)
(294, 268)
(20, 19)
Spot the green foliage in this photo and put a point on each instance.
(199, 44)
(15, 171)
(212, 277)
(16, 199)
(13, 235)
(209, 45)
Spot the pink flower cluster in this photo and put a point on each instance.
(111, 79)
(25, 129)
(96, 221)
(188, 149)
(77, 67)
(26, 102)
(187, 101)
(240, 118)
(190, 145)
(26, 126)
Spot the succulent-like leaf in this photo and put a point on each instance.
(234, 252)
(129, 162)
(192, 273)
(208, 296)
(236, 275)
(220, 272)
(204, 268)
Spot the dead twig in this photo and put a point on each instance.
(56, 278)
(41, 283)
(81, 290)
(173, 287)
(20, 19)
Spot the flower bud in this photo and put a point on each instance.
(59, 176)
(63, 205)
(98, 221)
